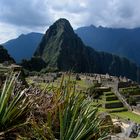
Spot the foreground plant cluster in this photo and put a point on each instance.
(59, 113)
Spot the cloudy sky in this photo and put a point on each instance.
(24, 16)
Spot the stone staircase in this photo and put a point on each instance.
(120, 97)
(111, 103)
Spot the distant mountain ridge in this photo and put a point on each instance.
(24, 46)
(122, 42)
(61, 49)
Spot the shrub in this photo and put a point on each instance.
(13, 106)
(67, 115)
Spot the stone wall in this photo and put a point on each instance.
(126, 84)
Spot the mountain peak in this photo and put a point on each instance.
(62, 21)
(56, 37)
(61, 49)
(92, 26)
(61, 43)
(60, 26)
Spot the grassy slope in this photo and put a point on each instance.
(128, 115)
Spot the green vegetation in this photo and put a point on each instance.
(2, 70)
(61, 113)
(115, 107)
(111, 102)
(4, 56)
(128, 115)
(132, 94)
(121, 109)
(35, 63)
(94, 91)
(78, 119)
(13, 108)
(109, 93)
(104, 96)
(131, 91)
(110, 98)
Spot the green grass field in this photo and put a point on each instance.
(128, 115)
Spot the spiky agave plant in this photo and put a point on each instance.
(70, 116)
(78, 117)
(13, 106)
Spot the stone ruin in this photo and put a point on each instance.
(46, 78)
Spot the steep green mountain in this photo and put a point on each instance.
(4, 56)
(122, 42)
(24, 46)
(61, 49)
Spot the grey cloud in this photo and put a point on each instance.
(24, 12)
(69, 6)
(126, 12)
(114, 13)
(37, 15)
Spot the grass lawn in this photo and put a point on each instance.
(113, 101)
(82, 84)
(29, 81)
(102, 109)
(125, 115)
